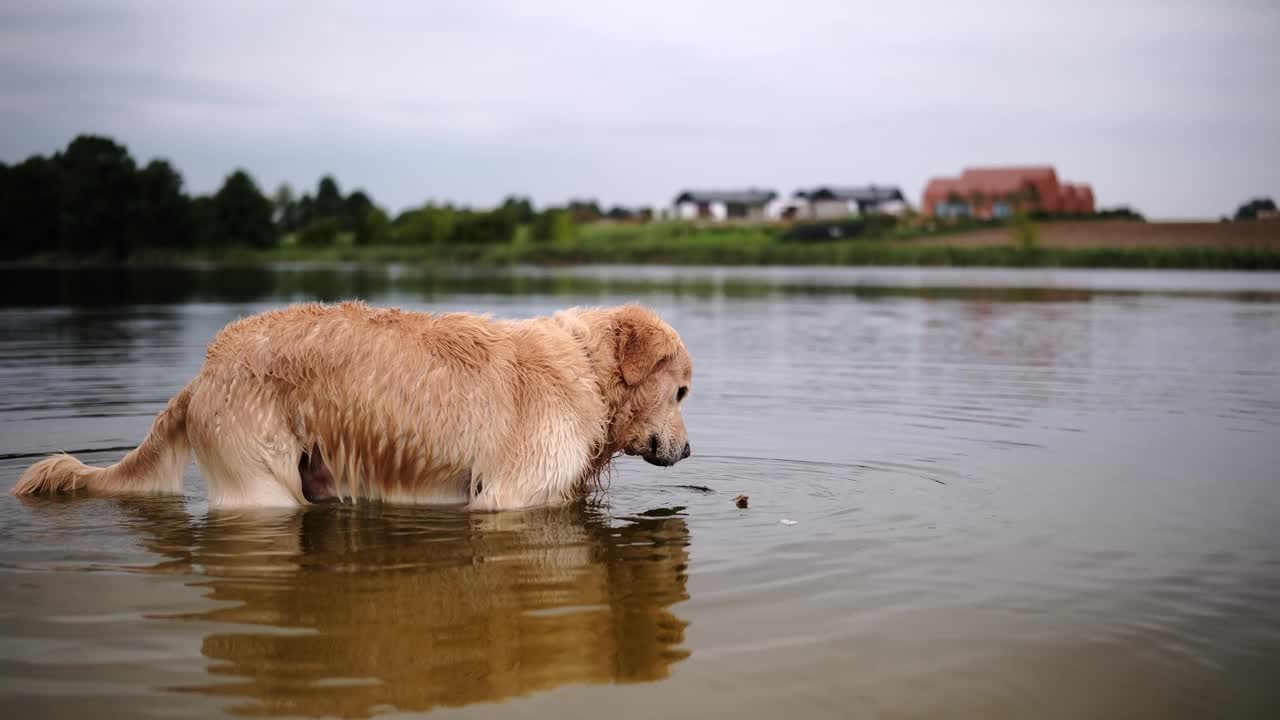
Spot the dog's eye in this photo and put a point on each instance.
(681, 393)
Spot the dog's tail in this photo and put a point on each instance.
(155, 466)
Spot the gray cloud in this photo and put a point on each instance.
(1171, 107)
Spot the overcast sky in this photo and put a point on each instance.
(1172, 107)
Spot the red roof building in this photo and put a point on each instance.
(989, 192)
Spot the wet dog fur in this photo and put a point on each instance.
(347, 401)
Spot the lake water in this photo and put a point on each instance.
(1009, 495)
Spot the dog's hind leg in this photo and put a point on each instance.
(247, 454)
(236, 478)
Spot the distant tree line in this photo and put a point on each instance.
(1259, 207)
(92, 199)
(1116, 213)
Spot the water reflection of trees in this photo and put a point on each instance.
(96, 286)
(337, 610)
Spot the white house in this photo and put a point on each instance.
(831, 203)
(750, 204)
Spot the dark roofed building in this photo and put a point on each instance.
(748, 204)
(829, 202)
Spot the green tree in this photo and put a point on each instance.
(29, 208)
(98, 196)
(521, 207)
(441, 223)
(306, 211)
(163, 217)
(585, 211)
(553, 226)
(376, 228)
(321, 232)
(242, 213)
(8, 247)
(484, 228)
(204, 222)
(284, 208)
(410, 228)
(620, 214)
(356, 209)
(328, 200)
(428, 225)
(1251, 209)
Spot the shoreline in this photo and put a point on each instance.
(1060, 244)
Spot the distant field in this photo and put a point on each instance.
(1242, 246)
(1128, 235)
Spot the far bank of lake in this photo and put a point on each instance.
(1083, 244)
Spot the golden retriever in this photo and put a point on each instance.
(348, 401)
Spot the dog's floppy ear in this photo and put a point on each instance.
(642, 344)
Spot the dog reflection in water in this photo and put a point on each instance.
(413, 609)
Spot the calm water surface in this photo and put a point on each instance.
(1014, 495)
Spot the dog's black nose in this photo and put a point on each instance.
(686, 451)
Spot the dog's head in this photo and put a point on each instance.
(653, 374)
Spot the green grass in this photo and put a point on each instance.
(684, 244)
(678, 244)
(883, 252)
